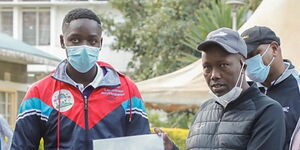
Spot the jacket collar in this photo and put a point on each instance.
(110, 78)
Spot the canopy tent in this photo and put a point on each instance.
(182, 89)
(187, 88)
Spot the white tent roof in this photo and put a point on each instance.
(187, 85)
(182, 87)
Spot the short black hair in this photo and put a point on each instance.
(80, 13)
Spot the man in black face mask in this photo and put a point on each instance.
(239, 116)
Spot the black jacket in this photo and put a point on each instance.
(286, 91)
(251, 122)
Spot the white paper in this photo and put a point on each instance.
(139, 142)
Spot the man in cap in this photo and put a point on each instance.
(239, 116)
(275, 77)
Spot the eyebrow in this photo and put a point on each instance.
(78, 35)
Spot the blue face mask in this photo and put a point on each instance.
(256, 69)
(82, 57)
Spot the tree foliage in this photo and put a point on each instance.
(214, 15)
(177, 119)
(162, 34)
(253, 4)
(152, 31)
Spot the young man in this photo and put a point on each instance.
(239, 116)
(274, 76)
(82, 100)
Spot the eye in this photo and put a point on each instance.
(93, 42)
(223, 65)
(206, 69)
(75, 40)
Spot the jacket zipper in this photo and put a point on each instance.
(86, 123)
(86, 111)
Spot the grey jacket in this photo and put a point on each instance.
(251, 122)
(297, 129)
(5, 131)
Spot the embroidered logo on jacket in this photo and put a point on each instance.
(113, 92)
(285, 109)
(62, 100)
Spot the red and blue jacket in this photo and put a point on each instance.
(66, 118)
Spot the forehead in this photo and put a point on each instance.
(216, 54)
(83, 26)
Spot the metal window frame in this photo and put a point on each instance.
(13, 103)
(37, 11)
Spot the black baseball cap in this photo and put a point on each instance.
(258, 35)
(228, 39)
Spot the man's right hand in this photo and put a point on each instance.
(168, 144)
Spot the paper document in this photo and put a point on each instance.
(139, 142)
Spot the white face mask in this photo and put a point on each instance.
(234, 93)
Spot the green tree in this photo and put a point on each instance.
(152, 31)
(253, 4)
(213, 15)
(176, 119)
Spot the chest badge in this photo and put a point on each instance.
(65, 98)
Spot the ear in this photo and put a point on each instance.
(62, 43)
(275, 49)
(245, 67)
(243, 63)
(101, 43)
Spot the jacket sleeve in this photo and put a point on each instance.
(29, 124)
(135, 111)
(268, 132)
(296, 131)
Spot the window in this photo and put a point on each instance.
(6, 106)
(9, 103)
(6, 21)
(33, 0)
(36, 26)
(71, 0)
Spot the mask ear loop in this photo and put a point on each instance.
(240, 74)
(266, 52)
(271, 61)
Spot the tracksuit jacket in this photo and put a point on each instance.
(56, 110)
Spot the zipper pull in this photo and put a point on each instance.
(85, 103)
